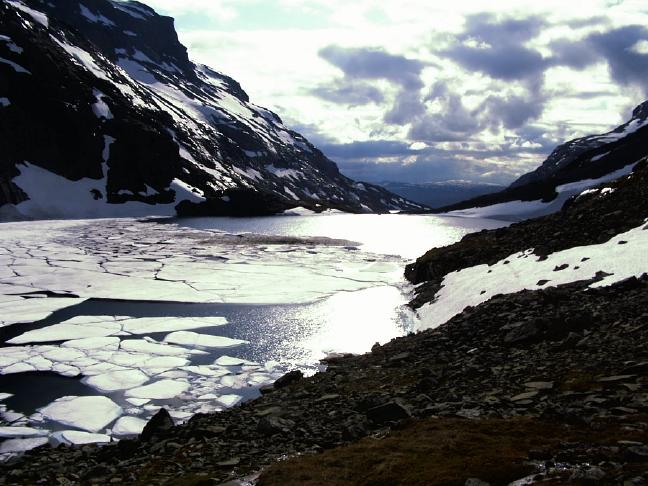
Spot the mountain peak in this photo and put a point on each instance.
(104, 96)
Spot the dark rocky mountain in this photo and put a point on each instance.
(438, 194)
(103, 113)
(590, 157)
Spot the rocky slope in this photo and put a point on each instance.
(590, 157)
(588, 219)
(102, 113)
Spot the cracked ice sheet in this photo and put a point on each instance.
(128, 259)
(132, 260)
(621, 257)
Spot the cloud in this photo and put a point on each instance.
(407, 106)
(433, 165)
(627, 66)
(509, 62)
(222, 10)
(576, 55)
(493, 29)
(620, 48)
(513, 111)
(495, 46)
(375, 63)
(453, 122)
(370, 149)
(348, 92)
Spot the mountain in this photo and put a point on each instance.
(437, 194)
(102, 113)
(571, 168)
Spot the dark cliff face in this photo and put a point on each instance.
(102, 92)
(588, 157)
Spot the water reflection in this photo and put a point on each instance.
(406, 235)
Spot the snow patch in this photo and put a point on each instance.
(515, 210)
(17, 67)
(95, 18)
(519, 271)
(100, 108)
(280, 172)
(39, 17)
(13, 47)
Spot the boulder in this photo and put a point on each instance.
(160, 422)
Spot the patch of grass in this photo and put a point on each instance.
(433, 452)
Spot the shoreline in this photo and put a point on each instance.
(433, 375)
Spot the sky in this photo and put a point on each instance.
(424, 91)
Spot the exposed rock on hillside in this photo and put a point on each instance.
(103, 114)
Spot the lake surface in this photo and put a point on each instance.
(408, 236)
(193, 315)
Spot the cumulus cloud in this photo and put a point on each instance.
(407, 106)
(347, 92)
(620, 48)
(627, 65)
(375, 63)
(495, 46)
(576, 55)
(369, 149)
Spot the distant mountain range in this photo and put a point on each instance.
(103, 114)
(570, 169)
(438, 194)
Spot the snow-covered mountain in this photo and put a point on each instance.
(103, 114)
(570, 169)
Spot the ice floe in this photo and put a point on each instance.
(21, 432)
(128, 426)
(91, 413)
(159, 390)
(117, 380)
(231, 361)
(77, 437)
(18, 311)
(194, 339)
(89, 327)
(229, 400)
(22, 445)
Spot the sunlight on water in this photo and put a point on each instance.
(406, 235)
(352, 322)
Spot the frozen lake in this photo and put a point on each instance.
(105, 321)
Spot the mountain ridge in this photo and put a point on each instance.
(122, 108)
(590, 157)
